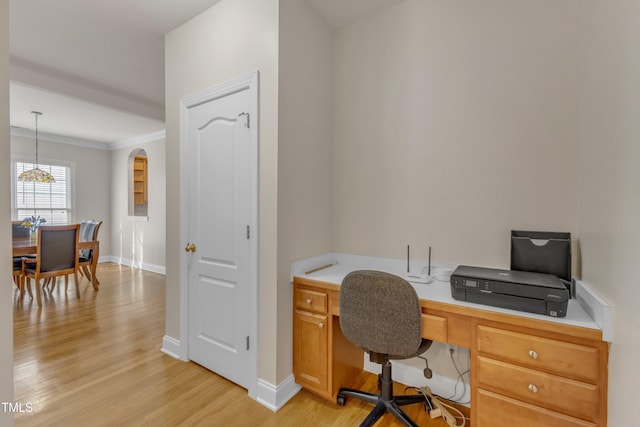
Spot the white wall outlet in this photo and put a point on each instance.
(453, 349)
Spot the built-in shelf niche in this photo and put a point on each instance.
(138, 183)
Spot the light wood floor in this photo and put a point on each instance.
(97, 362)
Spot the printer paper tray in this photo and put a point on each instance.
(508, 301)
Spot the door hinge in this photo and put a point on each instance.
(246, 119)
(248, 232)
(247, 342)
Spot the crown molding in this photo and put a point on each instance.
(50, 137)
(108, 146)
(137, 140)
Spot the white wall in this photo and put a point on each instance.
(233, 38)
(92, 179)
(610, 185)
(304, 153)
(6, 292)
(135, 242)
(455, 122)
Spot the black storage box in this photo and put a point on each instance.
(542, 252)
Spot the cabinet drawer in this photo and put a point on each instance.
(550, 391)
(434, 327)
(496, 410)
(567, 359)
(311, 300)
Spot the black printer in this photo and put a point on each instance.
(517, 290)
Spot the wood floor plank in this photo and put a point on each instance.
(96, 361)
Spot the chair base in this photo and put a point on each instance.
(385, 402)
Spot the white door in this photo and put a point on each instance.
(222, 207)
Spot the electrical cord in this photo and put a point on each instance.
(459, 416)
(442, 409)
(427, 402)
(460, 377)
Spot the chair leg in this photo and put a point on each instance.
(370, 398)
(409, 399)
(375, 414)
(91, 275)
(94, 278)
(17, 279)
(27, 284)
(400, 415)
(75, 277)
(37, 286)
(385, 401)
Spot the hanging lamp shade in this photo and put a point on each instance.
(36, 174)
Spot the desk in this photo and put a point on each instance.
(526, 370)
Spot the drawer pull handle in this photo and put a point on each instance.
(308, 300)
(533, 388)
(533, 354)
(321, 325)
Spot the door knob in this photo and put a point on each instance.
(190, 247)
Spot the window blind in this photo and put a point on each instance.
(50, 201)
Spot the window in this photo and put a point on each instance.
(51, 201)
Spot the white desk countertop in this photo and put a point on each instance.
(343, 264)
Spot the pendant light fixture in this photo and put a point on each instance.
(36, 174)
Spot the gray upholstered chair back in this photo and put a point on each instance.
(88, 232)
(18, 231)
(380, 313)
(58, 249)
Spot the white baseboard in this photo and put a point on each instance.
(171, 347)
(160, 269)
(274, 397)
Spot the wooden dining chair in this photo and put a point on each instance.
(18, 232)
(88, 258)
(18, 278)
(56, 255)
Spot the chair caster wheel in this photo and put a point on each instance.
(340, 400)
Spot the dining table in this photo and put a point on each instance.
(23, 247)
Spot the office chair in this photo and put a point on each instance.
(380, 313)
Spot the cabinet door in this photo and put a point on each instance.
(311, 361)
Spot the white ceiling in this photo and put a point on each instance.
(95, 68)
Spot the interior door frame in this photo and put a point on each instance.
(246, 82)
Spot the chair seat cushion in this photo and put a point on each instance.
(17, 263)
(424, 346)
(84, 259)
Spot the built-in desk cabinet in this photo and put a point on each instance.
(524, 372)
(530, 378)
(323, 360)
